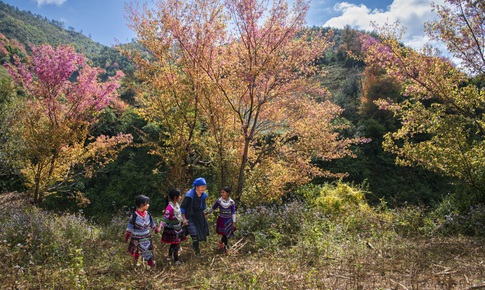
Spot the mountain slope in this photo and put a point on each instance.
(29, 28)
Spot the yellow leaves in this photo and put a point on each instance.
(270, 179)
(235, 85)
(101, 151)
(441, 114)
(341, 198)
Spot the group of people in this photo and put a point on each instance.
(179, 221)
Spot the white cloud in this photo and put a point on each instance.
(47, 2)
(411, 14)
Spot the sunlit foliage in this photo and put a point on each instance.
(61, 99)
(232, 85)
(442, 114)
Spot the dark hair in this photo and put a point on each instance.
(141, 200)
(175, 192)
(227, 189)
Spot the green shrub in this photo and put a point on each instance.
(459, 213)
(341, 198)
(273, 226)
(335, 198)
(410, 221)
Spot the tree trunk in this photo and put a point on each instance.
(36, 194)
(242, 168)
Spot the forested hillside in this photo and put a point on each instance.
(30, 28)
(352, 161)
(351, 89)
(372, 166)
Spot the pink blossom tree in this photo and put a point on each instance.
(62, 99)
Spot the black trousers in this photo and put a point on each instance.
(173, 251)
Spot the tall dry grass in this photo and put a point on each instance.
(290, 246)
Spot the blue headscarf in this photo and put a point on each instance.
(199, 181)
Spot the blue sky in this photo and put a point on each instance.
(104, 20)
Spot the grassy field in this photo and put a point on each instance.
(450, 263)
(282, 247)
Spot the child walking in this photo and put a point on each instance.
(226, 221)
(138, 232)
(173, 234)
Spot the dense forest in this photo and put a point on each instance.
(371, 166)
(337, 143)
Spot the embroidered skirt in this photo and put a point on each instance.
(225, 226)
(173, 236)
(141, 246)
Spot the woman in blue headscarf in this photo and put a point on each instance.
(193, 217)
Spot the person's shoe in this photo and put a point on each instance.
(151, 266)
(178, 263)
(136, 268)
(221, 245)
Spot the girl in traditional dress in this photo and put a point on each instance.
(171, 222)
(226, 221)
(193, 216)
(138, 232)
